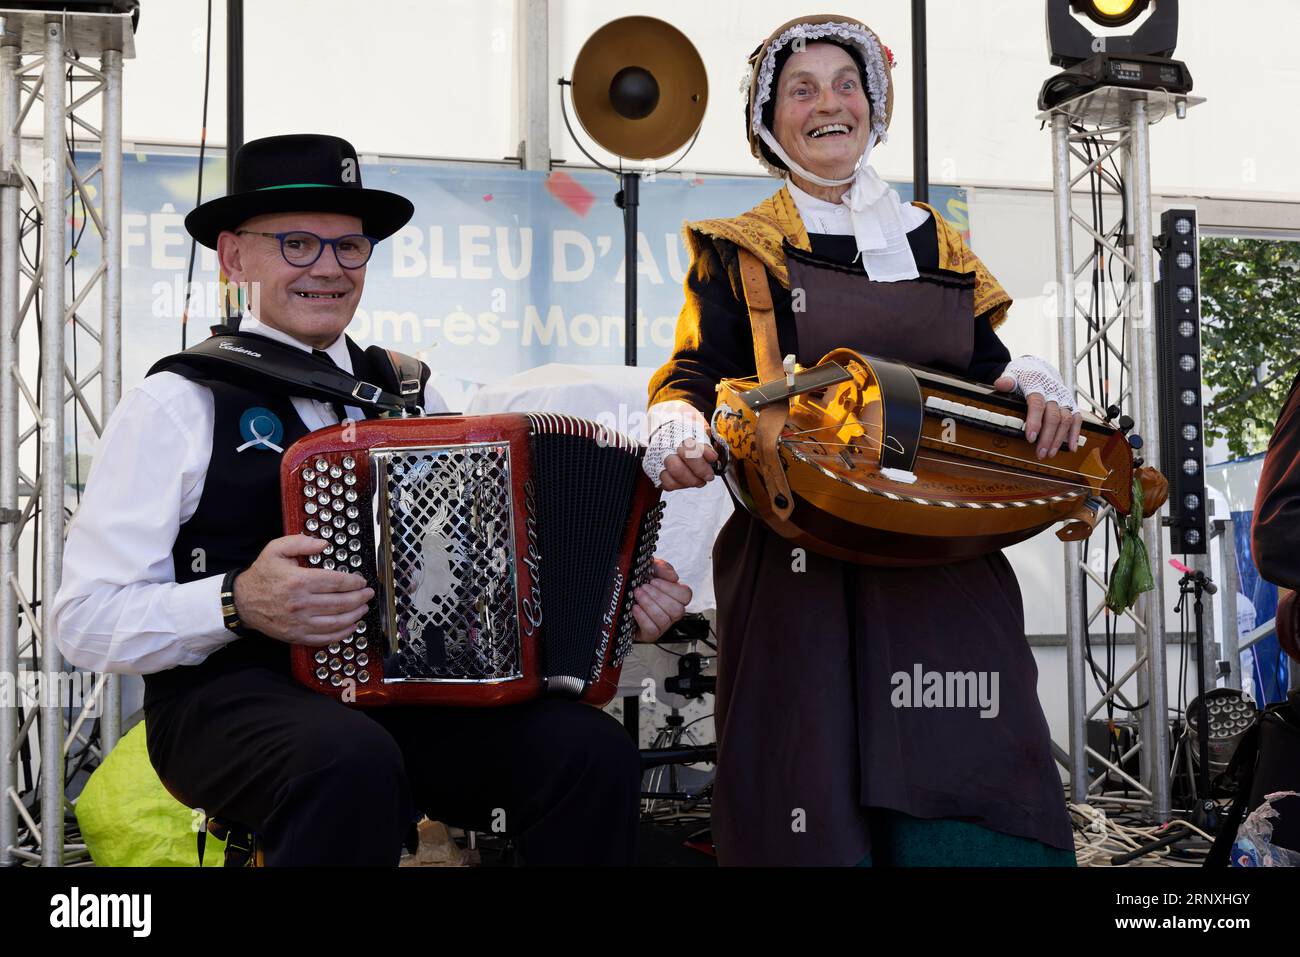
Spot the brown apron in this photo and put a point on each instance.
(816, 715)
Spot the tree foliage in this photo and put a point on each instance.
(1250, 306)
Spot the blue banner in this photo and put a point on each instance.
(501, 270)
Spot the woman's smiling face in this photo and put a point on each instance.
(822, 118)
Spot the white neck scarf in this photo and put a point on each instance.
(881, 221)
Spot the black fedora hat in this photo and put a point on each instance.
(299, 173)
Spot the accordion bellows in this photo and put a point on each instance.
(503, 550)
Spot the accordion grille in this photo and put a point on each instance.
(450, 565)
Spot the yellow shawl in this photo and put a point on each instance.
(762, 229)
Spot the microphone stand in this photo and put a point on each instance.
(1197, 583)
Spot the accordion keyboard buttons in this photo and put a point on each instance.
(329, 495)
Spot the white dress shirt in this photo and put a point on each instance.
(119, 607)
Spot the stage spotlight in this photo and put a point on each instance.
(1141, 60)
(1070, 41)
(1111, 13)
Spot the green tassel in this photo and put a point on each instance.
(1131, 575)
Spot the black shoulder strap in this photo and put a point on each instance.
(408, 371)
(261, 363)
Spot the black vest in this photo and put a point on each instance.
(239, 510)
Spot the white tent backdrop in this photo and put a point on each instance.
(437, 79)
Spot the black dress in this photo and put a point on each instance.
(822, 665)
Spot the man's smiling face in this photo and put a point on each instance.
(315, 303)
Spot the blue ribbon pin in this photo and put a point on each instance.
(262, 428)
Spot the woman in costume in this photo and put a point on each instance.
(822, 759)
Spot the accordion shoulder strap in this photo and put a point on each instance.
(408, 371)
(262, 363)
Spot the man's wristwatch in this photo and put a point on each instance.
(229, 613)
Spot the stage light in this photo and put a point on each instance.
(1178, 367)
(1141, 60)
(1111, 13)
(1231, 714)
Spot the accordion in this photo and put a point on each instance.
(503, 550)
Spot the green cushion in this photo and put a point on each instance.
(128, 819)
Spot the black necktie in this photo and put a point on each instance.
(335, 405)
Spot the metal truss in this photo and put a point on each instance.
(1093, 136)
(44, 62)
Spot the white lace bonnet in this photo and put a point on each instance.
(762, 64)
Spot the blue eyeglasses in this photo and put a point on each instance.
(301, 248)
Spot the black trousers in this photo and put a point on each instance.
(323, 783)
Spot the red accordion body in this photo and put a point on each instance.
(503, 550)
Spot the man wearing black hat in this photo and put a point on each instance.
(176, 568)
